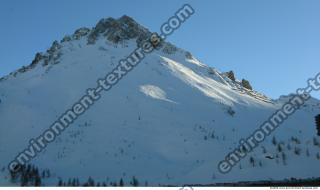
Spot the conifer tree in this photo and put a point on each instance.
(121, 183)
(318, 124)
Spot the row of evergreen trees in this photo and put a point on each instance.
(74, 182)
(28, 175)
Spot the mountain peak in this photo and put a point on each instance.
(116, 30)
(108, 29)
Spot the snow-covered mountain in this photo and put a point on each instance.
(170, 121)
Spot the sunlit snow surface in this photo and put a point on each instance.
(166, 122)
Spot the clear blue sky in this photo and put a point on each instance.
(273, 43)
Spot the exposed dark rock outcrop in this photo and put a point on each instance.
(117, 30)
(246, 84)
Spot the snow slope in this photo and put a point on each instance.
(166, 122)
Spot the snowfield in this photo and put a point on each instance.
(154, 92)
(166, 122)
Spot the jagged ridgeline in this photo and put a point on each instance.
(116, 31)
